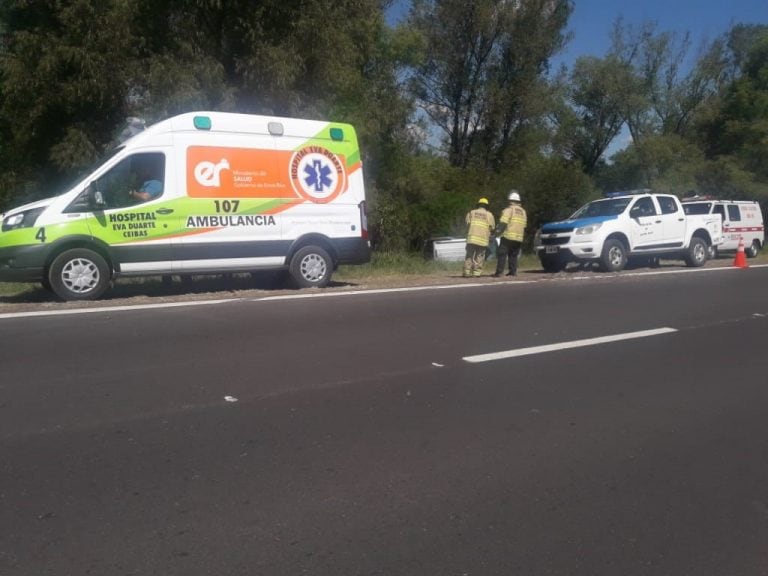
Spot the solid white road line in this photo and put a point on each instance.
(103, 309)
(566, 345)
(360, 292)
(364, 292)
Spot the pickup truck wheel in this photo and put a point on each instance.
(614, 256)
(79, 274)
(310, 267)
(697, 253)
(753, 249)
(552, 263)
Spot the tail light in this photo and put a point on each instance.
(363, 220)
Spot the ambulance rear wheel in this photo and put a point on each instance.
(310, 267)
(79, 274)
(753, 249)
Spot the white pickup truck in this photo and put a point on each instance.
(625, 225)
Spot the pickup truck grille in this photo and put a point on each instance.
(555, 241)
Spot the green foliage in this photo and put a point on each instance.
(742, 124)
(64, 70)
(725, 177)
(599, 92)
(481, 70)
(551, 189)
(467, 78)
(666, 163)
(662, 95)
(425, 196)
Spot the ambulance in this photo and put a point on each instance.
(199, 193)
(742, 221)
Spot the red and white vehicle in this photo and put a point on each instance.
(742, 220)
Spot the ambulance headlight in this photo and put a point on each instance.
(24, 219)
(587, 230)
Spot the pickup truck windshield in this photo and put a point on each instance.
(609, 207)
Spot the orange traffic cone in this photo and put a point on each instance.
(741, 258)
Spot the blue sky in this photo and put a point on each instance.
(592, 20)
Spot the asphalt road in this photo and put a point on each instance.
(352, 435)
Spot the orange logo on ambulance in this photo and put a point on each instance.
(312, 173)
(317, 174)
(219, 172)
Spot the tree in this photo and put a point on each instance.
(481, 63)
(521, 96)
(66, 73)
(72, 72)
(664, 97)
(594, 113)
(740, 127)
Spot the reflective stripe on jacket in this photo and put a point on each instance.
(516, 219)
(481, 223)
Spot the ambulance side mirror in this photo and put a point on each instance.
(95, 197)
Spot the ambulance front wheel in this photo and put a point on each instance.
(79, 274)
(311, 266)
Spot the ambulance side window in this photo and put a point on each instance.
(733, 213)
(718, 209)
(142, 172)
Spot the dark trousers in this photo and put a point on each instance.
(508, 250)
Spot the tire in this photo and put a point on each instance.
(552, 264)
(753, 249)
(712, 252)
(697, 253)
(614, 256)
(311, 267)
(79, 274)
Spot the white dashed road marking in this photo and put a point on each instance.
(566, 345)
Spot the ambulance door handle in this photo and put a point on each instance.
(164, 211)
(680, 219)
(658, 221)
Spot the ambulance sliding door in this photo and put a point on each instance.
(236, 189)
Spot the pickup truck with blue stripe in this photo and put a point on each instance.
(626, 225)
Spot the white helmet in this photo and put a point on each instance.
(513, 196)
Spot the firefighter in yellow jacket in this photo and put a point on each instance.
(511, 228)
(480, 224)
